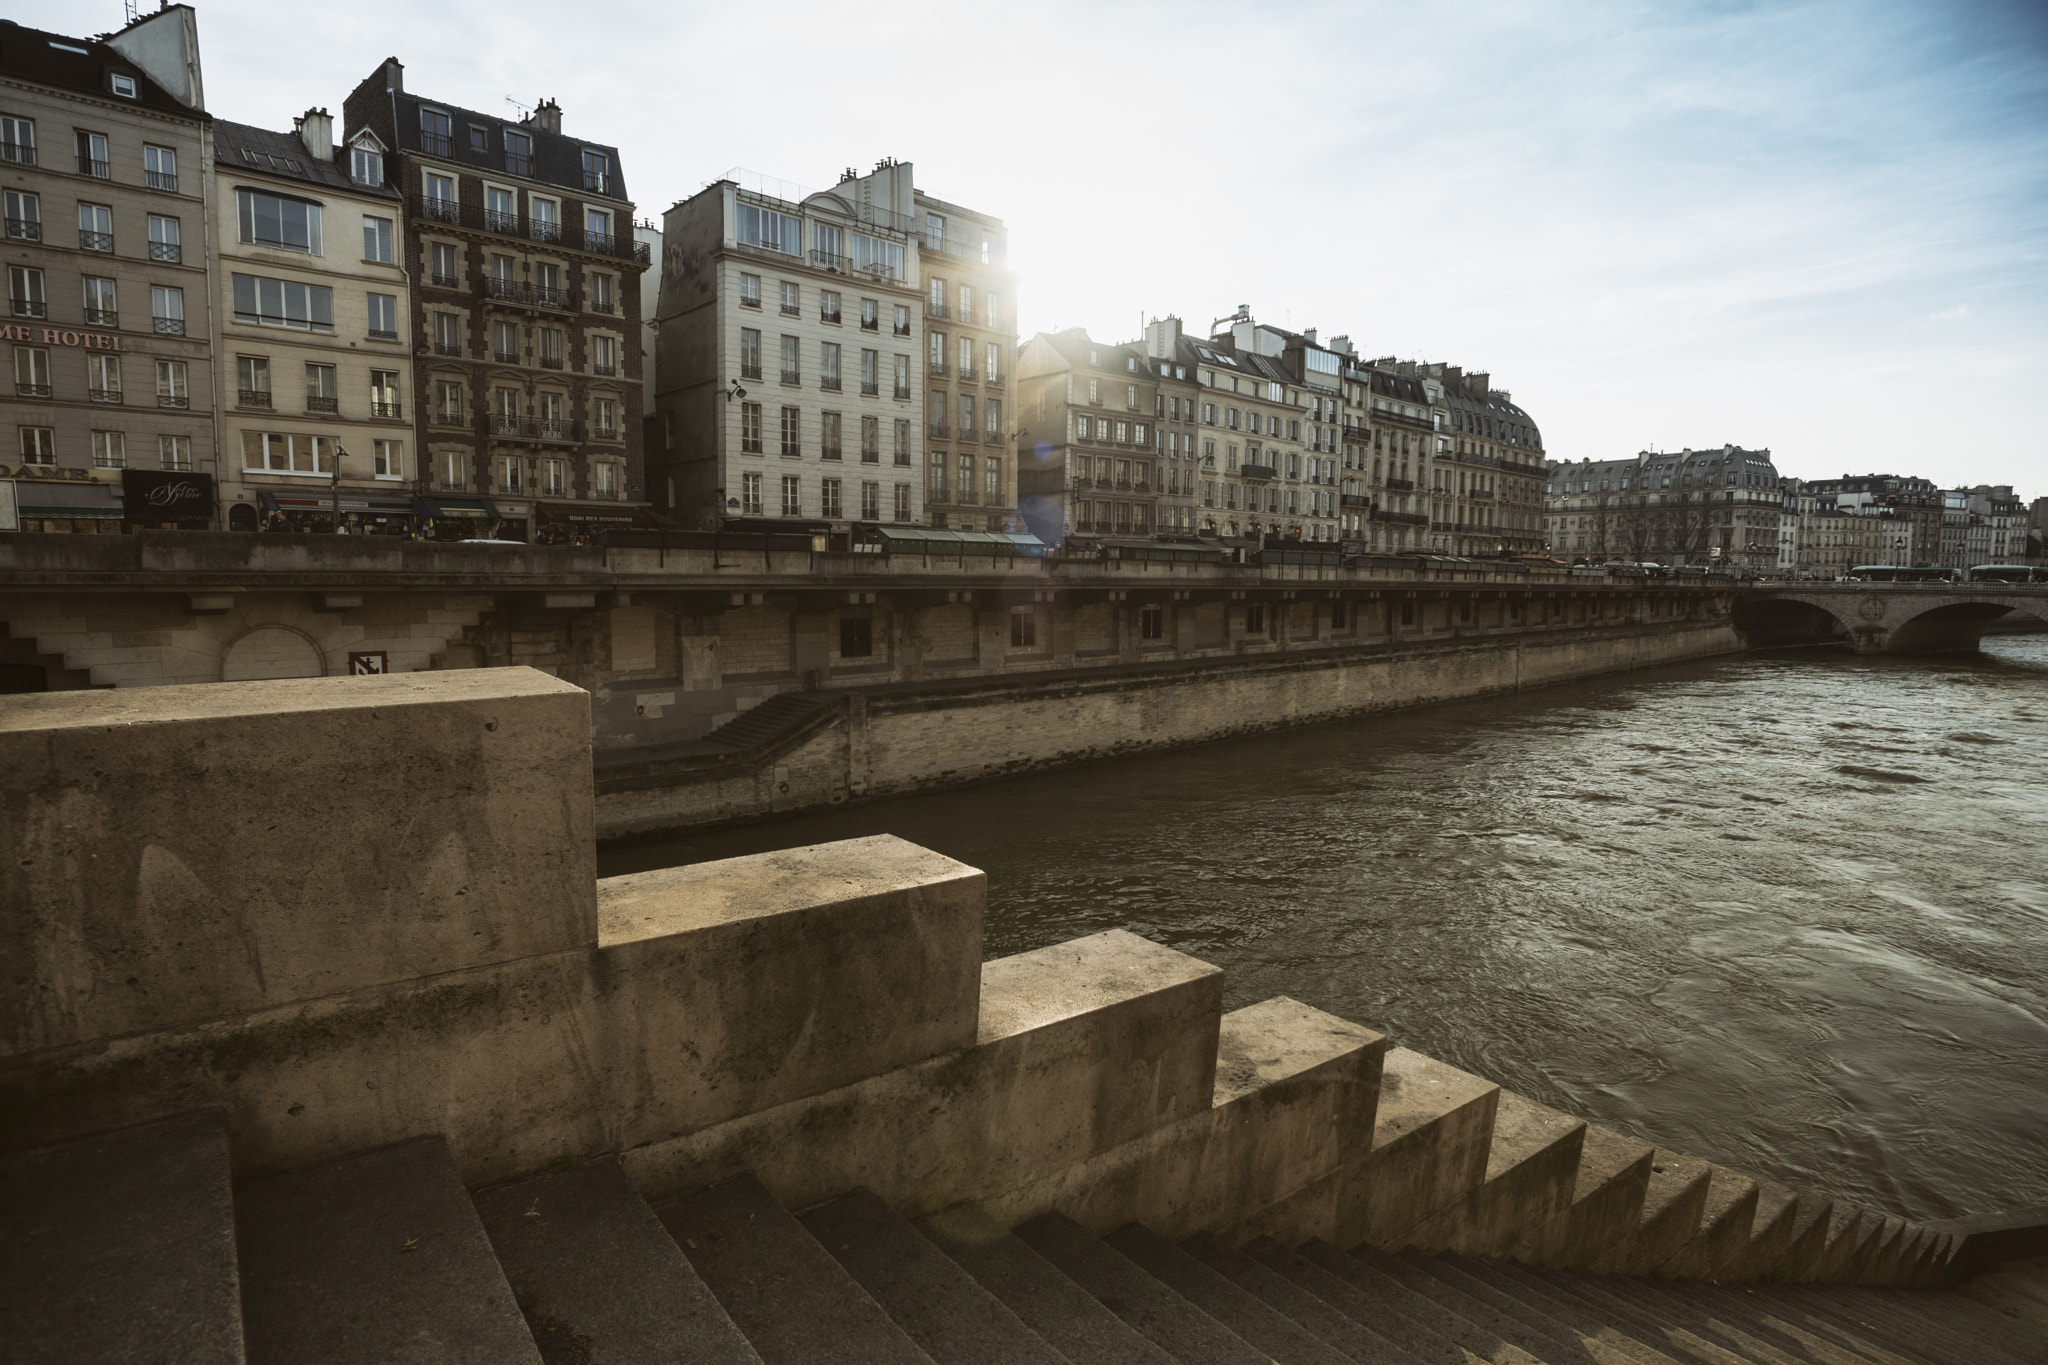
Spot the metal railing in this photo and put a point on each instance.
(870, 389)
(18, 153)
(252, 398)
(434, 144)
(170, 327)
(99, 170)
(938, 367)
(506, 357)
(161, 180)
(940, 430)
(935, 310)
(599, 306)
(902, 391)
(750, 371)
(966, 374)
(379, 334)
(829, 383)
(604, 433)
(387, 410)
(448, 348)
(28, 308)
(831, 261)
(491, 220)
(449, 417)
(31, 390)
(792, 377)
(25, 229)
(166, 251)
(791, 310)
(551, 362)
(967, 436)
(322, 403)
(95, 241)
(173, 400)
(1401, 485)
(103, 317)
(598, 367)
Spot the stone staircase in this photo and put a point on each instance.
(138, 1245)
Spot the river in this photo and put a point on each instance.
(1788, 911)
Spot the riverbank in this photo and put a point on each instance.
(897, 739)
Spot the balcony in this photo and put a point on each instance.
(1352, 433)
(17, 153)
(252, 398)
(477, 218)
(792, 377)
(551, 362)
(548, 296)
(1402, 518)
(832, 317)
(166, 251)
(935, 310)
(941, 430)
(1400, 485)
(1258, 471)
(437, 210)
(597, 182)
(533, 429)
(830, 383)
(28, 308)
(870, 389)
(173, 400)
(433, 144)
(607, 495)
(102, 317)
(992, 379)
(25, 229)
(750, 371)
(902, 391)
(386, 409)
(32, 390)
(95, 241)
(940, 369)
(98, 170)
(747, 301)
(600, 368)
(1481, 495)
(170, 327)
(447, 348)
(317, 403)
(901, 329)
(379, 334)
(826, 260)
(448, 417)
(967, 374)
(1353, 500)
(967, 436)
(791, 310)
(604, 433)
(600, 306)
(160, 180)
(506, 357)
(871, 324)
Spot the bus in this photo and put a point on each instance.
(2009, 573)
(1894, 573)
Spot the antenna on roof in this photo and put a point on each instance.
(524, 110)
(129, 8)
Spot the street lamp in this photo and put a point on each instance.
(340, 453)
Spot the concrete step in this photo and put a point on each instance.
(1554, 1330)
(1328, 1322)
(1751, 1329)
(598, 1278)
(1170, 1322)
(1067, 1316)
(1936, 1323)
(1608, 1189)
(121, 1248)
(1237, 1308)
(2018, 1289)
(1670, 1216)
(944, 1309)
(1835, 1325)
(1532, 1163)
(793, 1301)
(375, 1257)
(1362, 1269)
(1418, 1341)
(1607, 1299)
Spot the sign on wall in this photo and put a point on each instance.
(364, 663)
(166, 495)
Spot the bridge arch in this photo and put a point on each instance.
(1765, 622)
(1955, 625)
(1880, 618)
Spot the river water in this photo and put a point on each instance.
(1788, 911)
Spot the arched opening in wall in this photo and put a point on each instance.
(1959, 626)
(1777, 622)
(271, 652)
(242, 516)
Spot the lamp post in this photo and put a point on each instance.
(340, 453)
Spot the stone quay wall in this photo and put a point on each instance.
(345, 975)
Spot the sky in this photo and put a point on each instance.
(1816, 226)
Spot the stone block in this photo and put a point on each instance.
(1777, 1219)
(1608, 1190)
(1294, 1098)
(1676, 1194)
(1727, 1219)
(1081, 1047)
(302, 839)
(1846, 1232)
(1532, 1164)
(737, 985)
(1431, 1137)
(1807, 1244)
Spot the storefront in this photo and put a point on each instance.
(458, 518)
(313, 513)
(65, 502)
(167, 500)
(568, 523)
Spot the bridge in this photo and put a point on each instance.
(1884, 618)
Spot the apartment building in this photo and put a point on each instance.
(1086, 411)
(793, 360)
(1177, 428)
(1391, 434)
(1681, 507)
(525, 315)
(970, 349)
(1491, 468)
(104, 150)
(313, 326)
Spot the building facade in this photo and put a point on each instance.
(313, 316)
(525, 315)
(105, 147)
(1086, 411)
(793, 360)
(970, 351)
(1673, 507)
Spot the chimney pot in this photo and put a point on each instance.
(316, 131)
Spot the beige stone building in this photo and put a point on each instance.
(104, 155)
(970, 352)
(1086, 413)
(313, 320)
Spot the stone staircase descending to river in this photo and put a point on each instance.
(375, 1069)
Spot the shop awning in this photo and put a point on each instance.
(30, 510)
(929, 540)
(324, 502)
(457, 507)
(51, 499)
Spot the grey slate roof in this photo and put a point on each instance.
(254, 151)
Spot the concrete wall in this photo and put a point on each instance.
(906, 740)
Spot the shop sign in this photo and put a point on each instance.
(165, 495)
(54, 336)
(51, 473)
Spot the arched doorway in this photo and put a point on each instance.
(242, 516)
(271, 652)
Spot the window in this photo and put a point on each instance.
(283, 303)
(870, 500)
(967, 416)
(505, 345)
(902, 508)
(770, 230)
(95, 227)
(828, 305)
(792, 431)
(877, 256)
(17, 141)
(38, 445)
(436, 132)
(92, 154)
(750, 353)
(1023, 628)
(274, 221)
(750, 291)
(383, 309)
(1152, 623)
(870, 440)
(606, 474)
(597, 172)
(377, 239)
(174, 452)
(518, 152)
(903, 442)
(440, 197)
(936, 491)
(791, 367)
(902, 389)
(902, 323)
(322, 393)
(604, 355)
(828, 365)
(601, 295)
(828, 437)
(25, 292)
(160, 168)
(252, 376)
(597, 229)
(366, 167)
(936, 345)
(934, 232)
(387, 459)
(792, 300)
(967, 478)
(856, 635)
(505, 473)
(24, 216)
(283, 453)
(966, 303)
(750, 428)
(32, 372)
(554, 477)
(828, 504)
(100, 308)
(501, 209)
(992, 316)
(444, 264)
(447, 334)
(544, 223)
(936, 305)
(171, 390)
(870, 316)
(1255, 618)
(967, 357)
(870, 373)
(995, 363)
(448, 402)
(750, 495)
(109, 450)
(792, 496)
(384, 394)
(122, 84)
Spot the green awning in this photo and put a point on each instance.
(459, 507)
(115, 512)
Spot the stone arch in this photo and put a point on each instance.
(1955, 625)
(1768, 621)
(242, 516)
(272, 651)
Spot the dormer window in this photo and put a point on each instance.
(122, 85)
(366, 167)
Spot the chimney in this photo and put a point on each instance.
(1310, 333)
(546, 117)
(1478, 382)
(316, 130)
(394, 75)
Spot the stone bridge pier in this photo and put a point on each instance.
(1884, 618)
